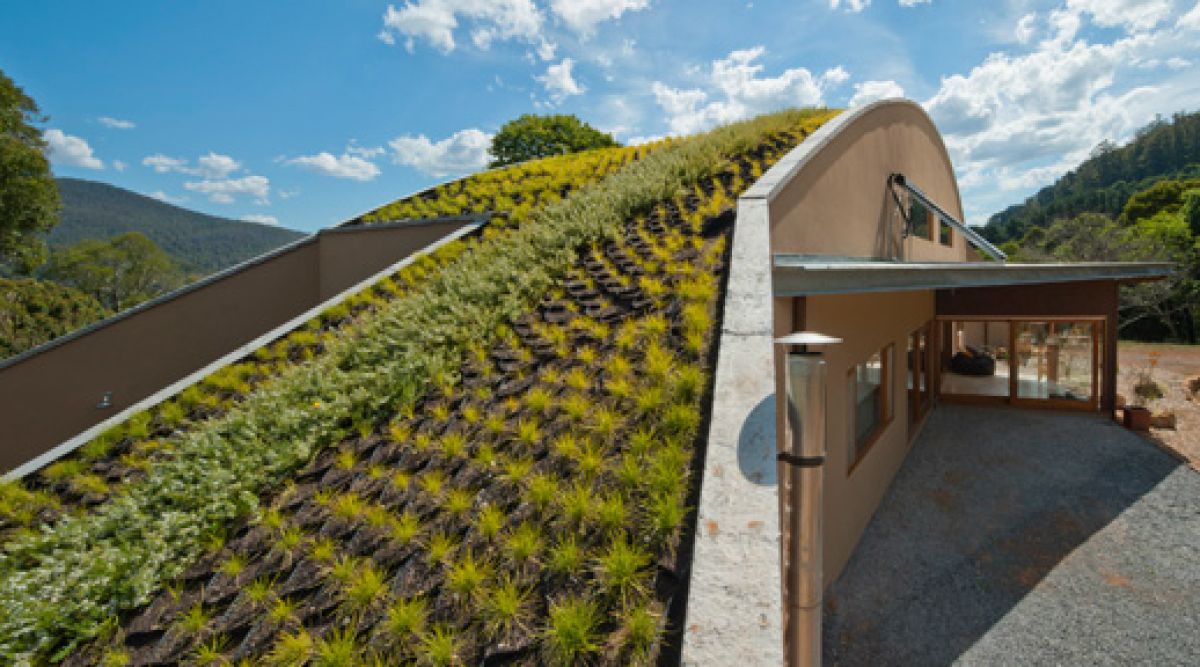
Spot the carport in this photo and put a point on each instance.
(1024, 537)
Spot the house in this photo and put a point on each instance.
(856, 235)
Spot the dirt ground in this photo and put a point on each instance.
(1170, 366)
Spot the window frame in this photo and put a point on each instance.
(859, 449)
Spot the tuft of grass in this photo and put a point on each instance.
(467, 576)
(566, 557)
(338, 648)
(640, 629)
(489, 522)
(364, 587)
(453, 445)
(440, 647)
(524, 543)
(259, 590)
(405, 527)
(322, 550)
(194, 619)
(506, 608)
(458, 502)
(610, 513)
(620, 568)
(211, 652)
(440, 547)
(283, 611)
(541, 491)
(572, 632)
(291, 649)
(406, 618)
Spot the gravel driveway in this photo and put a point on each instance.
(1020, 537)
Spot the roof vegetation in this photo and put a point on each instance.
(491, 458)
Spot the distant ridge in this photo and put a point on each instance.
(201, 243)
(1106, 180)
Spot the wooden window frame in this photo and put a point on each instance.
(887, 357)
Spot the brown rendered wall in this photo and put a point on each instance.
(839, 204)
(1059, 300)
(867, 323)
(350, 254)
(51, 395)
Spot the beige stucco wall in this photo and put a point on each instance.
(867, 323)
(839, 203)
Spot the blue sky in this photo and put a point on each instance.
(304, 113)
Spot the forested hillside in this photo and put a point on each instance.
(199, 243)
(1106, 181)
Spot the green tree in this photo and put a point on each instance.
(530, 137)
(120, 272)
(28, 195)
(35, 311)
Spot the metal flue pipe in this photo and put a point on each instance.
(805, 382)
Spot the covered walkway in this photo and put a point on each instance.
(1024, 537)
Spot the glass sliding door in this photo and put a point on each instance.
(1057, 361)
(1030, 362)
(920, 382)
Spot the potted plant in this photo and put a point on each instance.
(1137, 415)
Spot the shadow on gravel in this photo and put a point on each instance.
(987, 504)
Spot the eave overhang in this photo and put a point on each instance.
(803, 275)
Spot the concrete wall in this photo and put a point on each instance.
(50, 394)
(867, 323)
(839, 203)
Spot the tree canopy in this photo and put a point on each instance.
(1160, 223)
(1105, 182)
(28, 195)
(530, 137)
(33, 312)
(119, 273)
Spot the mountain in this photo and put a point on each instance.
(200, 243)
(1104, 182)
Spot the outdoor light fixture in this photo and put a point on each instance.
(105, 401)
(805, 456)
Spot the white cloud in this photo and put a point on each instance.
(210, 166)
(346, 165)
(914, 3)
(737, 90)
(1136, 15)
(70, 150)
(836, 76)
(164, 164)
(559, 82)
(853, 6)
(545, 50)
(261, 219)
(869, 91)
(226, 190)
(1025, 28)
(1018, 120)
(119, 165)
(217, 166)
(435, 21)
(1190, 20)
(116, 123)
(462, 152)
(582, 16)
(288, 194)
(166, 198)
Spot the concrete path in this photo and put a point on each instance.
(1017, 537)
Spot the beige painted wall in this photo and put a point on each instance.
(839, 204)
(867, 322)
(51, 395)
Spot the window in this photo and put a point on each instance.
(920, 389)
(920, 218)
(945, 233)
(869, 402)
